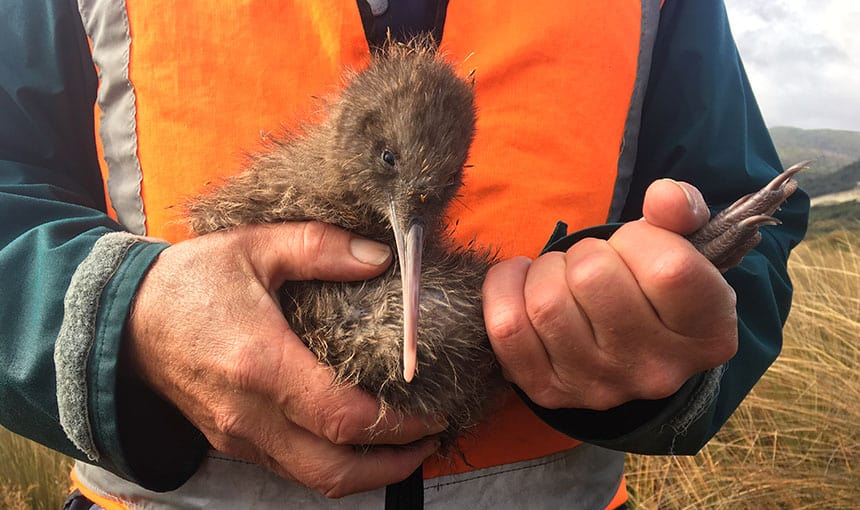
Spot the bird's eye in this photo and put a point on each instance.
(389, 158)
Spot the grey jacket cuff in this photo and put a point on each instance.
(77, 335)
(699, 403)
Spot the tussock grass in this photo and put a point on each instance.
(795, 441)
(32, 477)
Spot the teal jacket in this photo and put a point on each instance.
(700, 124)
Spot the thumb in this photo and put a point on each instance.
(675, 206)
(313, 251)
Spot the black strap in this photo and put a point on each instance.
(404, 19)
(408, 494)
(560, 240)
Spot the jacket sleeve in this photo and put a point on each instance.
(701, 124)
(68, 271)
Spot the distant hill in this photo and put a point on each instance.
(844, 179)
(830, 149)
(824, 219)
(835, 154)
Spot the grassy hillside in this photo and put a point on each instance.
(835, 157)
(817, 184)
(828, 218)
(830, 149)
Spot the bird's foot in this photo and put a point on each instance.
(729, 236)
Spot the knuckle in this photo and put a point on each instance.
(324, 473)
(336, 490)
(677, 269)
(549, 399)
(331, 482)
(551, 393)
(603, 401)
(313, 239)
(599, 389)
(228, 425)
(341, 427)
(661, 387)
(240, 368)
(592, 272)
(602, 396)
(546, 309)
(659, 379)
(723, 349)
(506, 324)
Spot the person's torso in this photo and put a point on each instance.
(187, 89)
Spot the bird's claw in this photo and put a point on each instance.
(729, 236)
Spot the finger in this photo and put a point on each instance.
(267, 358)
(610, 297)
(675, 206)
(336, 471)
(561, 324)
(384, 466)
(234, 426)
(262, 434)
(306, 392)
(687, 292)
(313, 251)
(565, 334)
(290, 379)
(516, 344)
(638, 356)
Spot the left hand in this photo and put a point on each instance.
(610, 321)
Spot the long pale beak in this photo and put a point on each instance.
(410, 244)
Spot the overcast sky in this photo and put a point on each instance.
(802, 58)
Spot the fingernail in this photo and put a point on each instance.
(691, 200)
(369, 252)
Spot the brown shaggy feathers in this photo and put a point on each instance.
(411, 102)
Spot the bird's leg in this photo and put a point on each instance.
(729, 236)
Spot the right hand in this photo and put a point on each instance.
(633, 317)
(206, 333)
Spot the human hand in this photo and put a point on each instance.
(206, 332)
(607, 322)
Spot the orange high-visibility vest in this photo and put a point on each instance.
(188, 87)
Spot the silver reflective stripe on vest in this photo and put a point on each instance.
(106, 23)
(630, 142)
(585, 477)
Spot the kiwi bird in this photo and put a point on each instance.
(385, 162)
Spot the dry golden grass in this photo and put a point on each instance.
(795, 441)
(32, 477)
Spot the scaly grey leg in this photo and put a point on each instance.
(730, 235)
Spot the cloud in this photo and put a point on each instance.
(802, 58)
